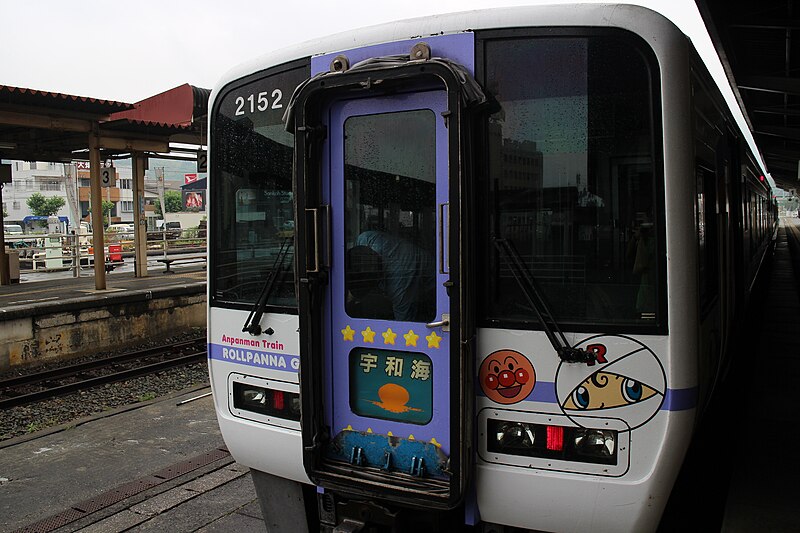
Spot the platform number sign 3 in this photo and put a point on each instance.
(107, 176)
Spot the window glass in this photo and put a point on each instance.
(390, 215)
(571, 181)
(251, 180)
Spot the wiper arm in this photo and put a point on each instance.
(253, 323)
(527, 283)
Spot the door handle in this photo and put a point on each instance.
(313, 240)
(444, 227)
(444, 323)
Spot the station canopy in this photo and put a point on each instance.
(38, 125)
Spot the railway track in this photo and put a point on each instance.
(47, 384)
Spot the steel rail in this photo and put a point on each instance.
(100, 380)
(70, 370)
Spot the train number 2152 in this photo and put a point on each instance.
(258, 102)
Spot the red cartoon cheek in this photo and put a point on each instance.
(490, 381)
(522, 376)
(506, 378)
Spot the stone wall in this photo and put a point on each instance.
(72, 333)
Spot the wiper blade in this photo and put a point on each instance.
(253, 323)
(534, 296)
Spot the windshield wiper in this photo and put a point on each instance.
(253, 323)
(527, 283)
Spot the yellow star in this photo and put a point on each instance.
(368, 334)
(348, 333)
(411, 338)
(389, 336)
(433, 340)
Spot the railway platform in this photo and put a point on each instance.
(61, 316)
(764, 466)
(160, 466)
(64, 291)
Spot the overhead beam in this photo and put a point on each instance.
(48, 122)
(776, 110)
(132, 145)
(52, 156)
(776, 152)
(771, 84)
(791, 134)
(783, 165)
(767, 24)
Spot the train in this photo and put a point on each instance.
(477, 270)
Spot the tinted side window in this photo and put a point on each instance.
(572, 170)
(251, 184)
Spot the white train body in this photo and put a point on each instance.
(519, 449)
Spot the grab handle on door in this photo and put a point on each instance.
(313, 236)
(444, 323)
(313, 240)
(444, 225)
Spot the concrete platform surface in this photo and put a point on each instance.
(60, 470)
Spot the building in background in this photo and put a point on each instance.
(27, 178)
(53, 179)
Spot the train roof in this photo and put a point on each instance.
(578, 14)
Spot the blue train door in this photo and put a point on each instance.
(387, 336)
(383, 252)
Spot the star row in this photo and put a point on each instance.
(389, 336)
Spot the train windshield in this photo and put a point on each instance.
(572, 167)
(253, 216)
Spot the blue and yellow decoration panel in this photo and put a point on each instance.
(391, 385)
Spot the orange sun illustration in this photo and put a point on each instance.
(394, 399)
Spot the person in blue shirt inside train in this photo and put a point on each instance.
(390, 278)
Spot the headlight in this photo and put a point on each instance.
(595, 442)
(270, 402)
(514, 435)
(552, 442)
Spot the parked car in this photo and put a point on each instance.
(119, 232)
(171, 229)
(12, 229)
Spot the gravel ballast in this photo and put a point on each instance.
(28, 419)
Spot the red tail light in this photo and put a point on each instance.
(555, 438)
(277, 400)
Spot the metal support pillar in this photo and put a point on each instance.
(96, 201)
(5, 275)
(138, 162)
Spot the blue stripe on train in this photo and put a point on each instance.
(254, 357)
(675, 400)
(545, 391)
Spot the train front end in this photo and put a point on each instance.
(438, 276)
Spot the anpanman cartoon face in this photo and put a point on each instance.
(507, 377)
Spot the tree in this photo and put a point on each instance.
(44, 206)
(107, 207)
(173, 201)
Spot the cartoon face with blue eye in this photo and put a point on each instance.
(604, 389)
(627, 383)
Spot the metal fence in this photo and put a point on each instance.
(59, 252)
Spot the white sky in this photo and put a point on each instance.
(129, 50)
